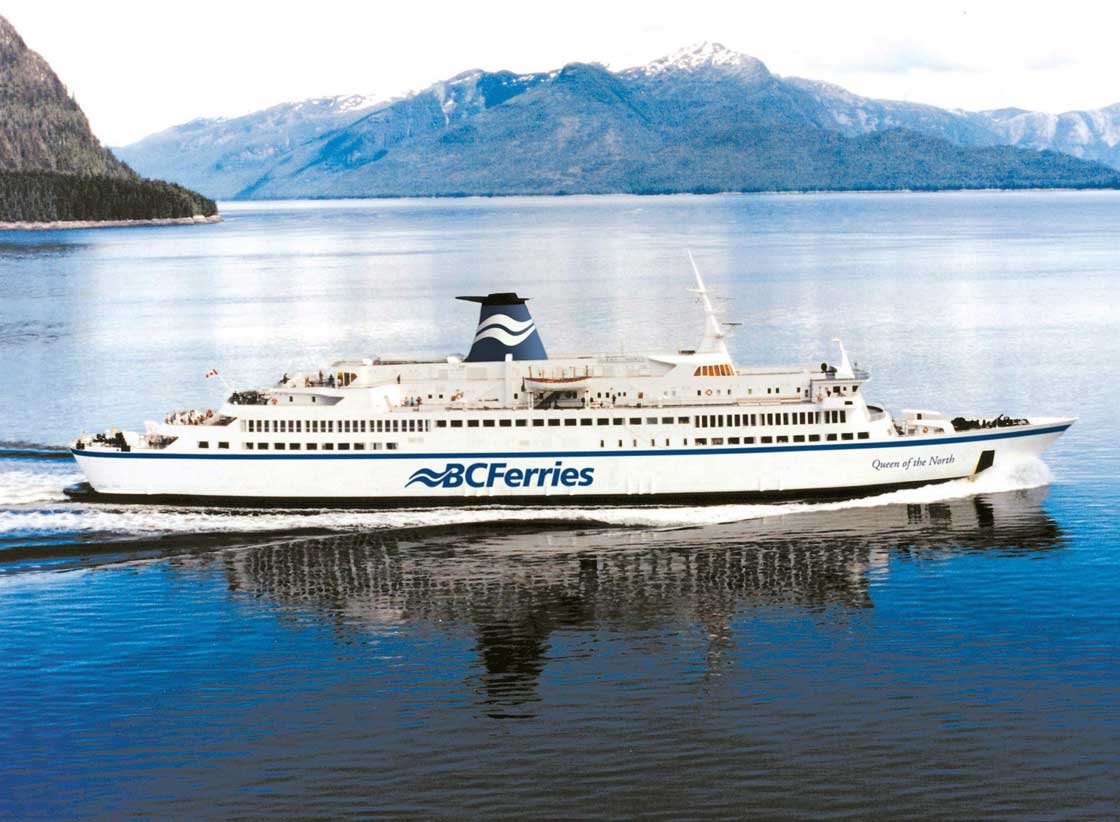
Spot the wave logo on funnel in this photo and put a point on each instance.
(505, 329)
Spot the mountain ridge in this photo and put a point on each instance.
(583, 128)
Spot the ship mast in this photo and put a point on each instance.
(714, 334)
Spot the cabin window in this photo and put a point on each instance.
(569, 422)
(635, 420)
(328, 446)
(538, 423)
(732, 440)
(831, 437)
(602, 443)
(487, 423)
(311, 446)
(783, 438)
(701, 440)
(520, 423)
(586, 421)
(717, 440)
(278, 446)
(814, 438)
(553, 423)
(293, 446)
(799, 438)
(748, 440)
(472, 423)
(390, 446)
(224, 445)
(262, 446)
(344, 446)
(603, 421)
(248, 446)
(843, 416)
(441, 423)
(863, 435)
(617, 421)
(666, 420)
(767, 439)
(847, 435)
(456, 423)
(203, 444)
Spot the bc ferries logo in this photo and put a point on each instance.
(491, 474)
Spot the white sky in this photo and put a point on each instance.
(138, 67)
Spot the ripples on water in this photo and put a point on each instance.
(941, 652)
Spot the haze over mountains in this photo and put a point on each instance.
(703, 119)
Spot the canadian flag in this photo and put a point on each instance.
(213, 372)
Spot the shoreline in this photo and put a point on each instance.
(729, 192)
(62, 225)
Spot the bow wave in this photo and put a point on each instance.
(428, 477)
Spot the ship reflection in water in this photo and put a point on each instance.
(515, 588)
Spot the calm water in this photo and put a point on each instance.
(952, 651)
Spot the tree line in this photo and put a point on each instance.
(45, 196)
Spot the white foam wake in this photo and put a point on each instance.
(140, 521)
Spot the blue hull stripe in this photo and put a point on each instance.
(666, 452)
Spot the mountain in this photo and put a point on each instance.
(53, 168)
(223, 156)
(1090, 135)
(703, 119)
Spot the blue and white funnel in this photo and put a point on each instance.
(504, 327)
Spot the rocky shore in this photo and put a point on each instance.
(66, 224)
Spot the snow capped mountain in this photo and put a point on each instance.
(1090, 135)
(222, 155)
(702, 118)
(701, 57)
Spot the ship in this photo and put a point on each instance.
(508, 425)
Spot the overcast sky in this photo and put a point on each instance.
(138, 67)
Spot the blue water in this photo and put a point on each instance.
(950, 651)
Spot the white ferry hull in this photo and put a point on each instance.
(618, 476)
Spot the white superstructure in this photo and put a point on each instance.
(508, 424)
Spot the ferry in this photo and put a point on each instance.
(509, 425)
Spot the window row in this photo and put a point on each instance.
(763, 440)
(307, 446)
(391, 426)
(776, 418)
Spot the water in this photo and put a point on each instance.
(948, 651)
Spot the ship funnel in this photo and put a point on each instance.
(505, 327)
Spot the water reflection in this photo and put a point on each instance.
(513, 590)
